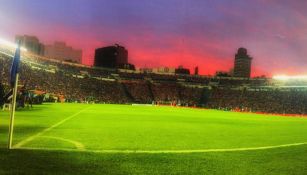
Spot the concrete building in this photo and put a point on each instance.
(242, 65)
(111, 57)
(31, 43)
(222, 74)
(62, 52)
(182, 70)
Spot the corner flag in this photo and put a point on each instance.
(14, 85)
(14, 67)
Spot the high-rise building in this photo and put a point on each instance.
(31, 43)
(111, 57)
(196, 70)
(242, 66)
(62, 52)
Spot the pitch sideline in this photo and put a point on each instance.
(168, 151)
(29, 139)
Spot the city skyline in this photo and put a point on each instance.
(206, 34)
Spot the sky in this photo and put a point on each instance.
(203, 33)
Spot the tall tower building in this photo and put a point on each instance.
(243, 62)
(111, 57)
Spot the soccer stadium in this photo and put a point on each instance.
(60, 116)
(93, 120)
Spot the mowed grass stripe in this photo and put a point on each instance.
(124, 127)
(29, 139)
(134, 140)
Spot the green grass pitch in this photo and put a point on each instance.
(125, 139)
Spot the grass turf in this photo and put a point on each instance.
(123, 127)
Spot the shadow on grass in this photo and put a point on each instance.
(55, 162)
(21, 132)
(278, 161)
(35, 108)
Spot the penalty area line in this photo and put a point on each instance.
(168, 151)
(29, 139)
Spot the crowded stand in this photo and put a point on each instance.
(139, 91)
(165, 92)
(282, 101)
(56, 81)
(191, 96)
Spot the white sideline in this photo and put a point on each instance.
(29, 139)
(168, 151)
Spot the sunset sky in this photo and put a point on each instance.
(204, 33)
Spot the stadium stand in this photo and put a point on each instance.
(52, 80)
(1, 94)
(282, 101)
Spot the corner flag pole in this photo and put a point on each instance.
(14, 85)
(12, 113)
